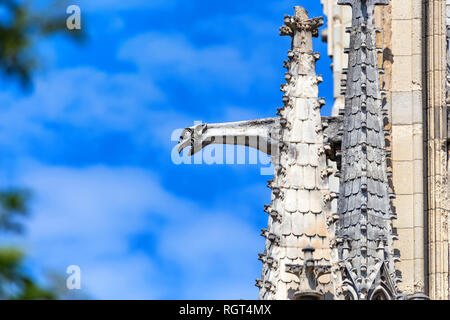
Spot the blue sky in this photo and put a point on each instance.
(92, 140)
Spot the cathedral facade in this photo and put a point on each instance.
(415, 57)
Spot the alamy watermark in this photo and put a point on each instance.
(73, 22)
(73, 281)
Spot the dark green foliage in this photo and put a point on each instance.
(13, 206)
(21, 29)
(14, 280)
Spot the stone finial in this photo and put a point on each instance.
(301, 28)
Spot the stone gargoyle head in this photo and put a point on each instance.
(192, 137)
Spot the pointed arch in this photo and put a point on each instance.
(349, 291)
(380, 293)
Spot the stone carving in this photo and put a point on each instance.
(365, 229)
(308, 274)
(258, 134)
(299, 187)
(414, 58)
(448, 66)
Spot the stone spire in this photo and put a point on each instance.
(365, 228)
(297, 245)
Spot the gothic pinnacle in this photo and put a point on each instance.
(364, 200)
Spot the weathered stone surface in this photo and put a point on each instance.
(364, 202)
(306, 158)
(415, 85)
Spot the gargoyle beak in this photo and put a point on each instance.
(185, 139)
(191, 137)
(189, 143)
(184, 143)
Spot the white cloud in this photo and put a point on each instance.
(121, 5)
(175, 56)
(90, 216)
(90, 101)
(86, 96)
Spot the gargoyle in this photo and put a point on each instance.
(259, 134)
